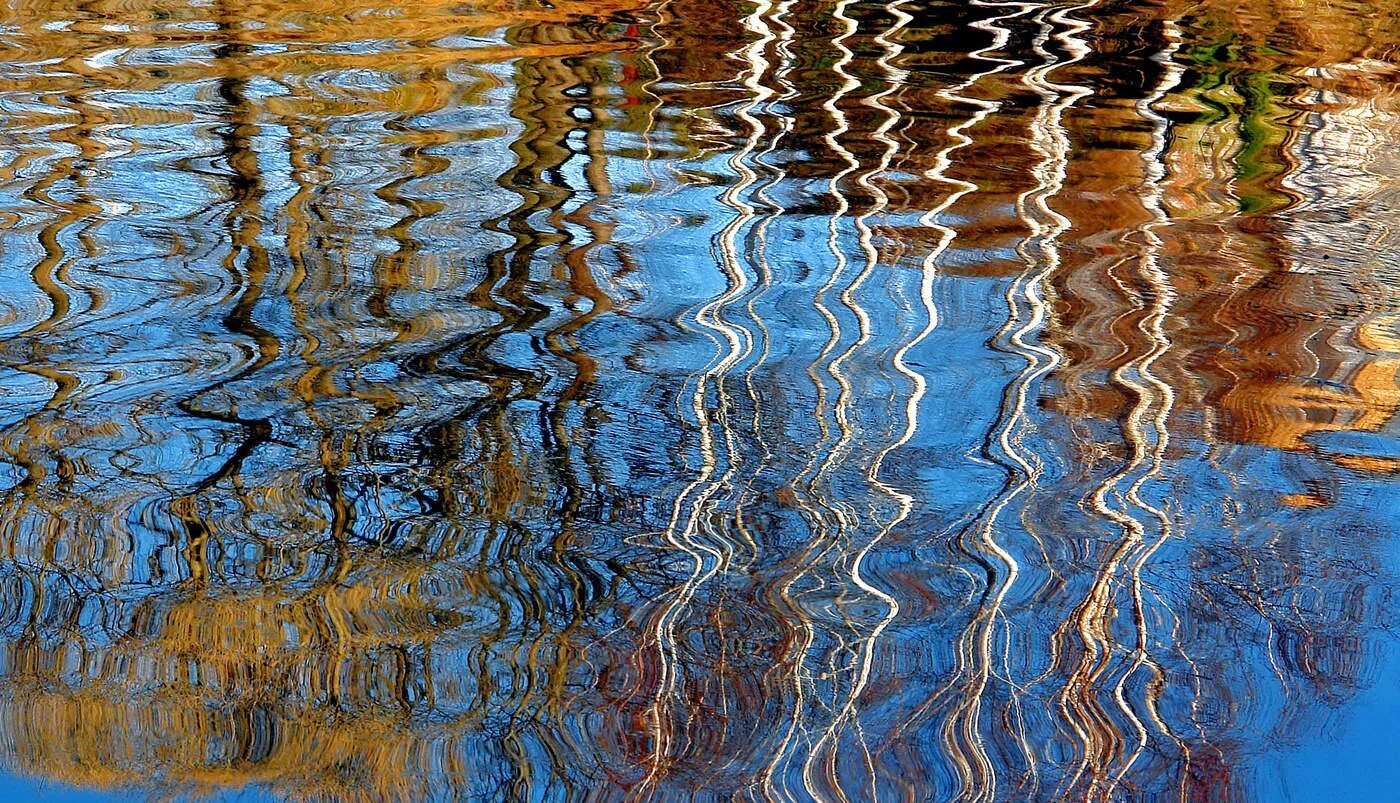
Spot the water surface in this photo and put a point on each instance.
(690, 399)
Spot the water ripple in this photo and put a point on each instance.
(830, 400)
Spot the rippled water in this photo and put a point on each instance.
(694, 399)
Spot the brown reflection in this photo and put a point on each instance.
(1265, 331)
(277, 638)
(1280, 332)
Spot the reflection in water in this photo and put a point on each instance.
(670, 399)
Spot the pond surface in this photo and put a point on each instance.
(700, 400)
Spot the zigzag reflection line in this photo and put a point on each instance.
(975, 662)
(947, 235)
(707, 560)
(1163, 296)
(770, 782)
(1155, 399)
(762, 266)
(894, 78)
(826, 540)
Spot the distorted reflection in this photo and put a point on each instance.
(698, 399)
